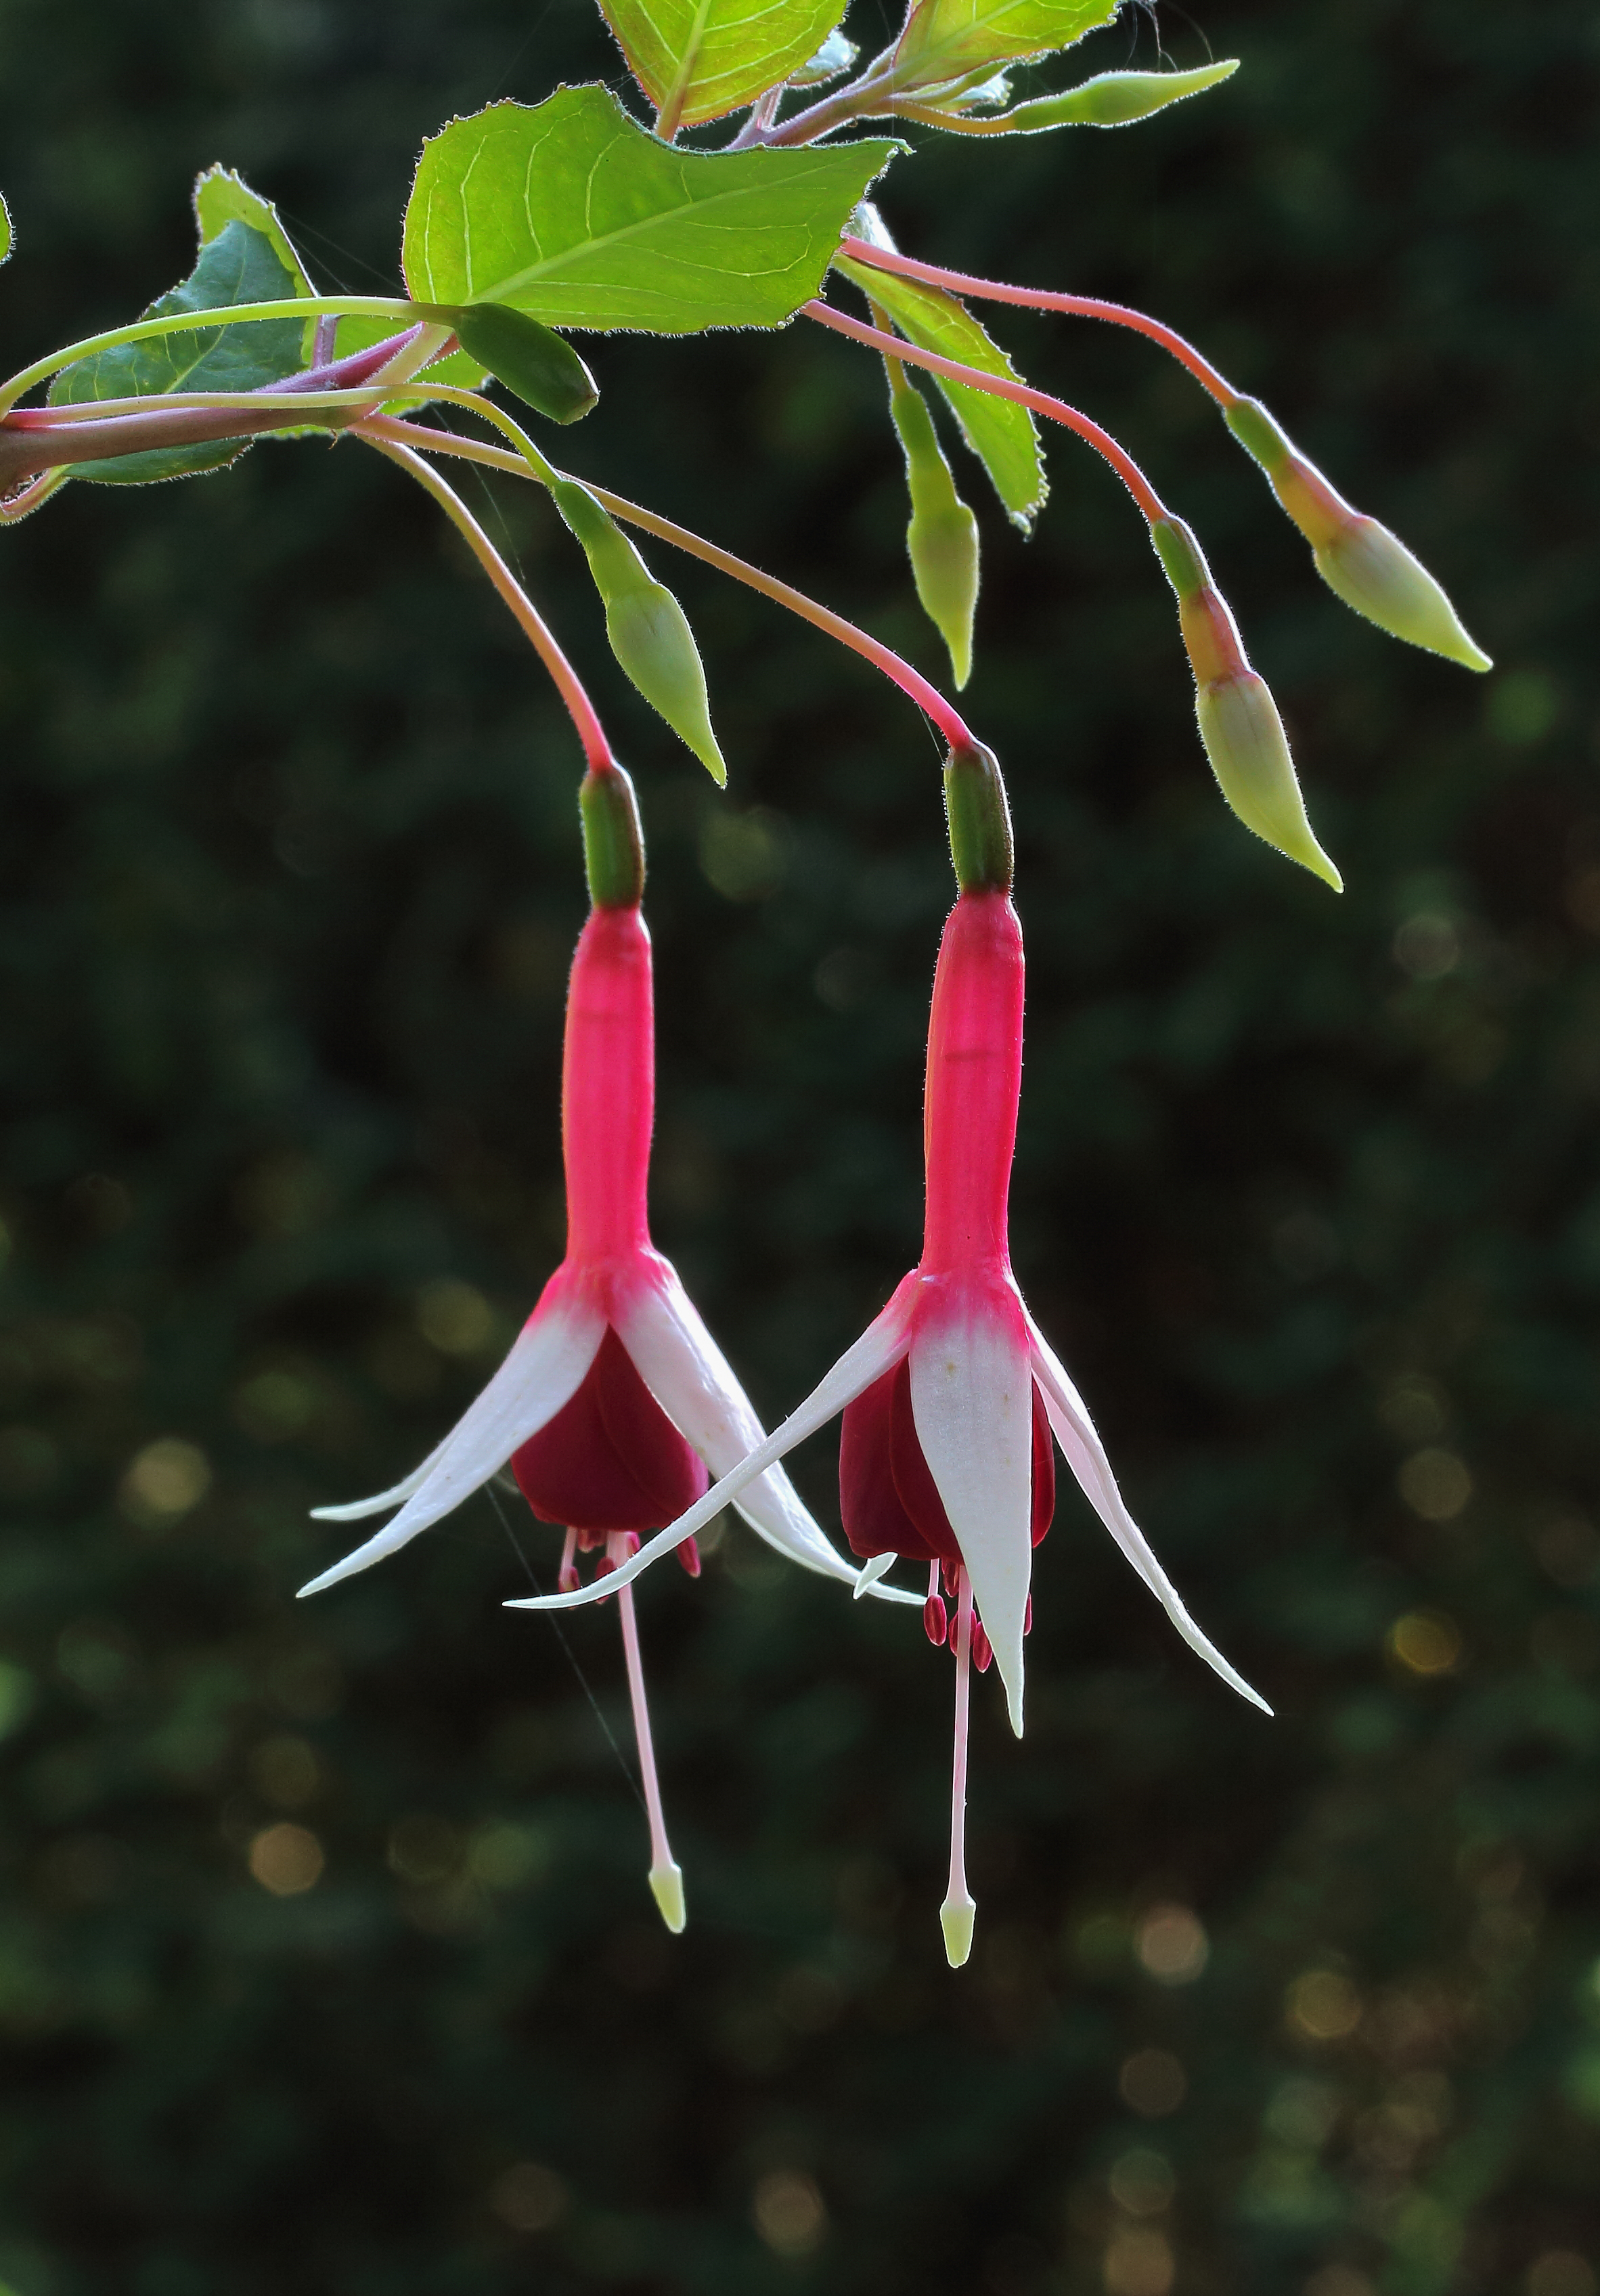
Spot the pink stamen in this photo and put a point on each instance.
(936, 1620)
(955, 1916)
(1027, 1616)
(666, 1875)
(567, 1578)
(688, 1554)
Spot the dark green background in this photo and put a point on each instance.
(1305, 1188)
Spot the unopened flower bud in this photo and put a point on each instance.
(980, 821)
(530, 359)
(1362, 563)
(648, 629)
(613, 845)
(1239, 722)
(1114, 99)
(942, 537)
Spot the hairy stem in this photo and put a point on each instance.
(1040, 299)
(1000, 387)
(927, 697)
(597, 749)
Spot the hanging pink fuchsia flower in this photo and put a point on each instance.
(952, 1393)
(614, 1399)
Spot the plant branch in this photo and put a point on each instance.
(927, 697)
(597, 749)
(1084, 306)
(1000, 387)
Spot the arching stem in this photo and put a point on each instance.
(597, 749)
(1043, 299)
(1000, 387)
(927, 697)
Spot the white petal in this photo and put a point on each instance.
(691, 1380)
(869, 1574)
(971, 1399)
(878, 1350)
(545, 1369)
(1085, 1453)
(354, 1508)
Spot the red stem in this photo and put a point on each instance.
(1000, 387)
(1044, 299)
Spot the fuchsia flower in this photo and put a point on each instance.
(614, 1399)
(951, 1395)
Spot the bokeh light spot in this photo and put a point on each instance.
(1172, 1944)
(287, 1859)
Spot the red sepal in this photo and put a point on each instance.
(887, 1496)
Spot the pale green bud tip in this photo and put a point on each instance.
(944, 552)
(980, 819)
(1117, 99)
(614, 843)
(1183, 560)
(652, 639)
(1258, 432)
(1374, 573)
(1248, 752)
(956, 1917)
(666, 1888)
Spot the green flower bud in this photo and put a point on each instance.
(541, 367)
(1239, 724)
(648, 629)
(1115, 98)
(1374, 572)
(614, 843)
(1248, 752)
(942, 537)
(1362, 563)
(980, 821)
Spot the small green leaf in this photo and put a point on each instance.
(944, 39)
(999, 433)
(698, 59)
(6, 232)
(221, 197)
(569, 210)
(240, 265)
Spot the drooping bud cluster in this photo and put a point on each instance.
(1239, 722)
(1364, 564)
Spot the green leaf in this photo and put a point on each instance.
(999, 433)
(947, 38)
(6, 233)
(698, 59)
(1114, 99)
(832, 60)
(567, 209)
(239, 265)
(221, 197)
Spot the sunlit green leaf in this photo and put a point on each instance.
(5, 234)
(697, 58)
(240, 265)
(221, 197)
(999, 432)
(570, 210)
(945, 38)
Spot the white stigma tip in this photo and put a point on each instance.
(869, 1574)
(666, 1888)
(957, 1916)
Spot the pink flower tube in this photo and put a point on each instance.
(952, 1393)
(614, 1401)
